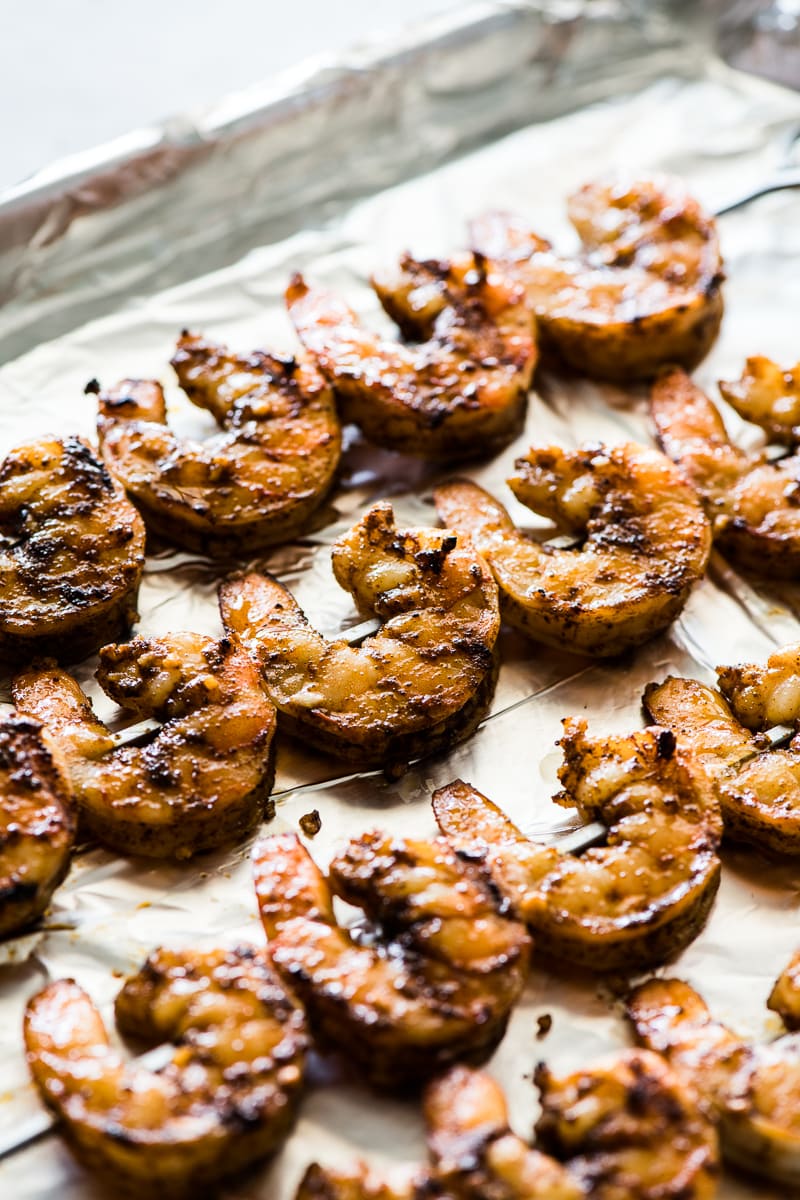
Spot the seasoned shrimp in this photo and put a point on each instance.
(473, 1152)
(37, 824)
(460, 391)
(424, 680)
(753, 504)
(758, 788)
(358, 1182)
(402, 1009)
(645, 543)
(254, 484)
(625, 1129)
(753, 1091)
(629, 1128)
(784, 998)
(644, 292)
(761, 696)
(202, 781)
(227, 1097)
(71, 552)
(768, 396)
(638, 899)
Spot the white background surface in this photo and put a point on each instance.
(74, 73)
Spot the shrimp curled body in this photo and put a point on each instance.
(37, 823)
(460, 391)
(636, 899)
(205, 777)
(645, 544)
(645, 290)
(421, 683)
(441, 988)
(227, 1097)
(255, 483)
(71, 552)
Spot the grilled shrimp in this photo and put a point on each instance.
(638, 899)
(71, 552)
(358, 1182)
(768, 396)
(784, 998)
(758, 788)
(252, 485)
(753, 1091)
(227, 1097)
(37, 824)
(460, 391)
(753, 504)
(645, 543)
(644, 292)
(629, 1128)
(441, 989)
(202, 781)
(420, 684)
(761, 696)
(625, 1129)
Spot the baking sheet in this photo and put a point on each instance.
(720, 130)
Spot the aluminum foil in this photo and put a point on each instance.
(659, 101)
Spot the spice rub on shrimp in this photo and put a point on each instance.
(205, 777)
(761, 696)
(758, 787)
(37, 823)
(645, 543)
(753, 1091)
(769, 396)
(753, 504)
(626, 1128)
(228, 1096)
(438, 987)
(460, 390)
(644, 290)
(255, 483)
(71, 552)
(420, 684)
(639, 898)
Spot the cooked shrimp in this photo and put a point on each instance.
(768, 396)
(629, 1128)
(625, 1129)
(460, 391)
(764, 696)
(424, 680)
(202, 781)
(645, 543)
(403, 1009)
(473, 1152)
(754, 1092)
(644, 292)
(758, 788)
(37, 825)
(639, 898)
(71, 552)
(358, 1182)
(754, 505)
(254, 484)
(784, 998)
(228, 1096)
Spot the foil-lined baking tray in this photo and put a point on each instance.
(199, 224)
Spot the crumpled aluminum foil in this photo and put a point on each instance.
(659, 101)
